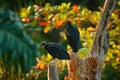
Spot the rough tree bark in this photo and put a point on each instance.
(90, 67)
(52, 72)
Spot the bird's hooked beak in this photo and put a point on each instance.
(43, 44)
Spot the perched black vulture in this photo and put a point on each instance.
(72, 35)
(55, 50)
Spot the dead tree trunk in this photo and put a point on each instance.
(52, 73)
(90, 67)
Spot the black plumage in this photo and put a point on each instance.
(56, 50)
(72, 35)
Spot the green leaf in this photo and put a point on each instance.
(63, 16)
(15, 43)
(68, 5)
(47, 5)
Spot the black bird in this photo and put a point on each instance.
(55, 50)
(72, 35)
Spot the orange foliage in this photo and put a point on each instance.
(59, 23)
(26, 19)
(40, 65)
(46, 29)
(75, 7)
(37, 18)
(91, 29)
(43, 23)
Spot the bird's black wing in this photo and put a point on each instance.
(72, 35)
(57, 51)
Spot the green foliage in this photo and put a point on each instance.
(111, 73)
(49, 18)
(16, 47)
(17, 5)
(43, 23)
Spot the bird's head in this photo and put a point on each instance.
(66, 23)
(43, 44)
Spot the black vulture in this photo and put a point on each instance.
(72, 35)
(55, 50)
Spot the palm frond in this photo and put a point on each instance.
(15, 42)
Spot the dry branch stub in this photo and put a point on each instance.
(53, 72)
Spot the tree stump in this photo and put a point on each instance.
(52, 73)
(90, 67)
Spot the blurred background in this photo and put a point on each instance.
(24, 24)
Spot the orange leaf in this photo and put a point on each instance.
(43, 23)
(46, 29)
(26, 19)
(91, 29)
(37, 18)
(59, 23)
(75, 7)
(40, 65)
